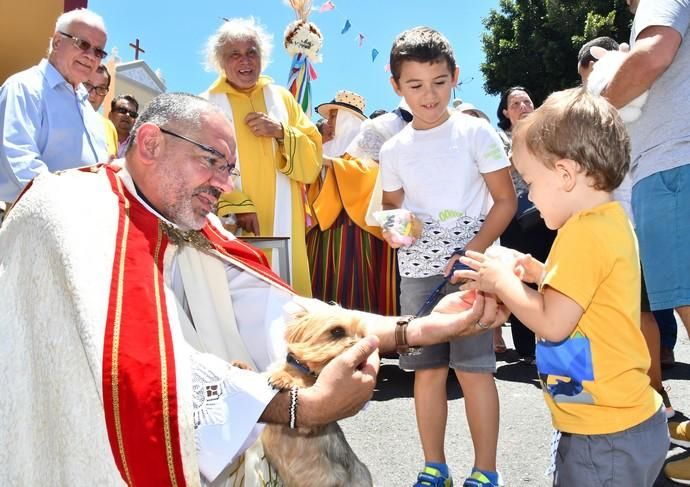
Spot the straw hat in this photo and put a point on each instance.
(344, 100)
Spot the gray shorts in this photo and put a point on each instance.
(633, 457)
(468, 354)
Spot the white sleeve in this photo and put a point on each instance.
(258, 308)
(227, 405)
(488, 149)
(390, 181)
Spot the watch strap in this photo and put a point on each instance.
(401, 345)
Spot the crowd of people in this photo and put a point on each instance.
(147, 349)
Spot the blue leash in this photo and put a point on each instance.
(437, 293)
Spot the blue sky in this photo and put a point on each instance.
(174, 33)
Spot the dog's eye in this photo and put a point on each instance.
(338, 332)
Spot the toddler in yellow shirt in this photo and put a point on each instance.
(591, 356)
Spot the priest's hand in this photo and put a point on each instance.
(343, 386)
(262, 125)
(457, 314)
(249, 222)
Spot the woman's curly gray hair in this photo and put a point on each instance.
(234, 30)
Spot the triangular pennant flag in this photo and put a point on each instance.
(374, 53)
(346, 27)
(326, 7)
(360, 39)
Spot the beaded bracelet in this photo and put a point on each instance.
(293, 407)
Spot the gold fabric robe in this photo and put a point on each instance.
(299, 157)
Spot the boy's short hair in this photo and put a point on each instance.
(423, 45)
(573, 124)
(584, 57)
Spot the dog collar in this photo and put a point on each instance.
(292, 360)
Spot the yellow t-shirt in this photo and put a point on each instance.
(110, 136)
(595, 381)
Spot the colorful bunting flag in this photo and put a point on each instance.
(346, 27)
(387, 68)
(329, 5)
(326, 7)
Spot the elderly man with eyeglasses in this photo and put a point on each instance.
(46, 121)
(118, 370)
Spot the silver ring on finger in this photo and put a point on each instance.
(483, 326)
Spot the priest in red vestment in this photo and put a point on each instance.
(123, 303)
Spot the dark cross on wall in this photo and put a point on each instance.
(137, 49)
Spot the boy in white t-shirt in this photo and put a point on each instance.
(450, 170)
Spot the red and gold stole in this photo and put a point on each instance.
(139, 381)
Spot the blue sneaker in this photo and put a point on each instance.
(431, 477)
(478, 479)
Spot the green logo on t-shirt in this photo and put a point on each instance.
(444, 215)
(496, 153)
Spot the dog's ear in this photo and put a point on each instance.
(297, 326)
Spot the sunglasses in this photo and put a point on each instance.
(124, 111)
(85, 46)
(100, 90)
(226, 169)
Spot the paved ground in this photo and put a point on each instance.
(385, 435)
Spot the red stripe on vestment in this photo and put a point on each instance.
(245, 253)
(139, 382)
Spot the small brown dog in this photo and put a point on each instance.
(319, 456)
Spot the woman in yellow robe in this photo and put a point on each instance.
(350, 262)
(278, 147)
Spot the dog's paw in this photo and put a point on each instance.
(281, 380)
(241, 365)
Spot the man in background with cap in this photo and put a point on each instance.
(469, 109)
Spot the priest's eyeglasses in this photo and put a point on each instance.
(212, 163)
(85, 46)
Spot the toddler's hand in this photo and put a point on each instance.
(529, 269)
(486, 271)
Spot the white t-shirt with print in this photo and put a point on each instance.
(440, 170)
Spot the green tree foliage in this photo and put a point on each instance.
(534, 43)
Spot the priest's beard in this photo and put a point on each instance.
(188, 208)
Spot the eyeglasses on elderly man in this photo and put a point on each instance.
(85, 45)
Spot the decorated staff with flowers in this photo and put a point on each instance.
(278, 147)
(303, 41)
